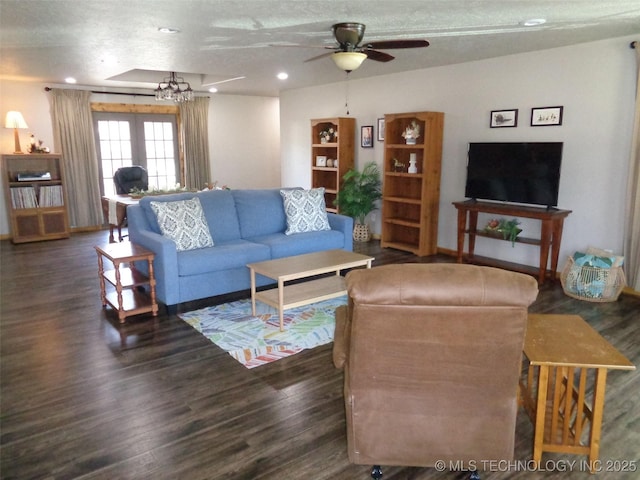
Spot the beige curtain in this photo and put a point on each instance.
(632, 231)
(195, 127)
(73, 138)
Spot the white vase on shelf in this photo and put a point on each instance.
(413, 168)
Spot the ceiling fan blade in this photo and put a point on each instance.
(378, 56)
(318, 57)
(386, 44)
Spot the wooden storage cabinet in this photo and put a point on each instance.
(35, 197)
(410, 201)
(340, 149)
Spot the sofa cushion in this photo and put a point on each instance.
(220, 211)
(282, 245)
(305, 210)
(183, 222)
(225, 256)
(260, 212)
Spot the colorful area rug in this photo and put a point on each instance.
(255, 341)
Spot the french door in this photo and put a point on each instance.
(148, 140)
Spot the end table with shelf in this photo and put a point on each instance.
(121, 286)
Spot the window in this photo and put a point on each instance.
(148, 140)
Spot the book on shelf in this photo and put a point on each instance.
(47, 196)
(24, 197)
(50, 196)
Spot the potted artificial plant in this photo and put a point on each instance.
(357, 197)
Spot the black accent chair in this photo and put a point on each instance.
(127, 178)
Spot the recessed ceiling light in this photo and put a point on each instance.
(213, 89)
(169, 30)
(283, 75)
(533, 22)
(70, 80)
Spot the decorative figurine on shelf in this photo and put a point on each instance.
(328, 135)
(36, 147)
(413, 167)
(397, 165)
(411, 133)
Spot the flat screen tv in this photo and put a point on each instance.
(518, 172)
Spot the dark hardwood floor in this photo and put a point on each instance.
(84, 398)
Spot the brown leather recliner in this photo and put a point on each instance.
(432, 356)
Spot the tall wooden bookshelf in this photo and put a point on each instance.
(410, 201)
(35, 197)
(332, 158)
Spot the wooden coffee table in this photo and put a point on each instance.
(564, 401)
(304, 266)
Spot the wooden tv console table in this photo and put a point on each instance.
(550, 235)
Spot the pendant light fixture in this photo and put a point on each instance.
(174, 88)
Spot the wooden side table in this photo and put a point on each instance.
(114, 209)
(125, 296)
(566, 356)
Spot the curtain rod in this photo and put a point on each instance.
(48, 89)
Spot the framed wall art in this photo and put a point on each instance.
(504, 118)
(544, 116)
(381, 129)
(366, 136)
(321, 160)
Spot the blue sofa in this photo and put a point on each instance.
(246, 226)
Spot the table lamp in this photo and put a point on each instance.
(15, 120)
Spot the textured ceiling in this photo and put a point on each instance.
(115, 45)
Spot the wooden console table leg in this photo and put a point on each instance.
(473, 226)
(556, 237)
(545, 242)
(462, 224)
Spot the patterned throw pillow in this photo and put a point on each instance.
(305, 210)
(183, 222)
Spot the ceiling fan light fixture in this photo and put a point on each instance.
(348, 61)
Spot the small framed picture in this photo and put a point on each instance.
(366, 136)
(321, 160)
(504, 118)
(381, 129)
(544, 116)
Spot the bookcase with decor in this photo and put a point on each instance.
(332, 152)
(411, 181)
(35, 197)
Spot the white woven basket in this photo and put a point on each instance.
(591, 283)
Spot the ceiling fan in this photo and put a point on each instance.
(351, 52)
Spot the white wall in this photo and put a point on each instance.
(595, 83)
(244, 141)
